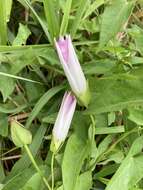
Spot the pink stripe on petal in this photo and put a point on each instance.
(63, 45)
(68, 102)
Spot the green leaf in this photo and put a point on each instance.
(8, 88)
(116, 92)
(45, 29)
(84, 181)
(20, 136)
(131, 169)
(103, 146)
(101, 66)
(65, 19)
(60, 188)
(116, 156)
(75, 153)
(22, 36)
(115, 16)
(106, 171)
(1, 186)
(93, 6)
(3, 125)
(136, 33)
(34, 91)
(15, 183)
(34, 183)
(90, 26)
(2, 171)
(136, 116)
(135, 188)
(78, 16)
(52, 18)
(5, 109)
(21, 60)
(8, 9)
(108, 130)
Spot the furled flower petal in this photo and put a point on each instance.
(63, 120)
(72, 69)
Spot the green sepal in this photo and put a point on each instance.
(55, 145)
(20, 136)
(85, 97)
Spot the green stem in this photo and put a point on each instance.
(52, 170)
(93, 120)
(93, 127)
(36, 166)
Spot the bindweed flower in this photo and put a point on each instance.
(72, 69)
(63, 121)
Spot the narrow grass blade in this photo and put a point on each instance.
(93, 7)
(12, 110)
(45, 29)
(110, 130)
(19, 78)
(8, 9)
(2, 174)
(41, 103)
(5, 49)
(66, 16)
(80, 11)
(3, 24)
(51, 17)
